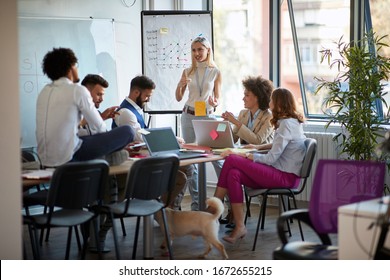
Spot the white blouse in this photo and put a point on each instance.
(288, 147)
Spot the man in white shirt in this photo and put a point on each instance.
(96, 85)
(60, 108)
(131, 113)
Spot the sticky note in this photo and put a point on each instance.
(200, 108)
(164, 30)
(221, 127)
(214, 134)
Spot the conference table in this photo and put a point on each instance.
(148, 221)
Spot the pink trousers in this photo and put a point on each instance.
(238, 171)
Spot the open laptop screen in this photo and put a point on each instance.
(161, 140)
(213, 133)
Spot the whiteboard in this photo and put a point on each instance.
(166, 51)
(93, 42)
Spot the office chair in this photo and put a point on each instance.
(336, 183)
(75, 188)
(283, 191)
(148, 180)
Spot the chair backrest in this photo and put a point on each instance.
(311, 149)
(150, 178)
(340, 182)
(75, 185)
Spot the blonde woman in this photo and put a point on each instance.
(203, 80)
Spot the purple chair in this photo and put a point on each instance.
(336, 183)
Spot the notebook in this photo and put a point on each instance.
(161, 141)
(213, 133)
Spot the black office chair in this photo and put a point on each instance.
(75, 188)
(311, 148)
(148, 180)
(336, 183)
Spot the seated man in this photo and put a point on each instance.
(60, 107)
(96, 85)
(131, 113)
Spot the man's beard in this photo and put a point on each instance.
(139, 102)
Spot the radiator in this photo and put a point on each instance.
(326, 149)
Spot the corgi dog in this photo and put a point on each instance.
(196, 223)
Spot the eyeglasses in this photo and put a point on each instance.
(76, 65)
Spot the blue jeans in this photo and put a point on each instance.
(102, 144)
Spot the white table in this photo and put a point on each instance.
(358, 229)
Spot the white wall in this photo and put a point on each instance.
(128, 44)
(10, 205)
(127, 28)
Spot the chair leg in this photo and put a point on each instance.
(260, 220)
(248, 200)
(68, 243)
(167, 235)
(263, 210)
(47, 235)
(284, 210)
(76, 231)
(123, 227)
(114, 233)
(299, 222)
(257, 232)
(135, 242)
(35, 247)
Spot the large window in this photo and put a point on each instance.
(241, 36)
(306, 28)
(240, 46)
(379, 18)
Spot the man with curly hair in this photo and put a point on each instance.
(60, 107)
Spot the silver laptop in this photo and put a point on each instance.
(213, 133)
(161, 141)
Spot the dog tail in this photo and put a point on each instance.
(216, 206)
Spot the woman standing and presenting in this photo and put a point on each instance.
(279, 167)
(203, 80)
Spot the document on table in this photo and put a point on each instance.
(235, 150)
(37, 174)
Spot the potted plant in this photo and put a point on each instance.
(351, 96)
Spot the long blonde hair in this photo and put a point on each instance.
(210, 57)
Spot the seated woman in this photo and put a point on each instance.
(280, 166)
(253, 124)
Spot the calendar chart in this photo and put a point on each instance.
(166, 51)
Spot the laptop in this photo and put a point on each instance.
(162, 140)
(213, 133)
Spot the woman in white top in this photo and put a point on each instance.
(279, 167)
(203, 80)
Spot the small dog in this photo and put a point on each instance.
(196, 223)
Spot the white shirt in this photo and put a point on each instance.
(288, 147)
(127, 117)
(60, 107)
(204, 81)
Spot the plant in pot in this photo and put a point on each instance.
(350, 98)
